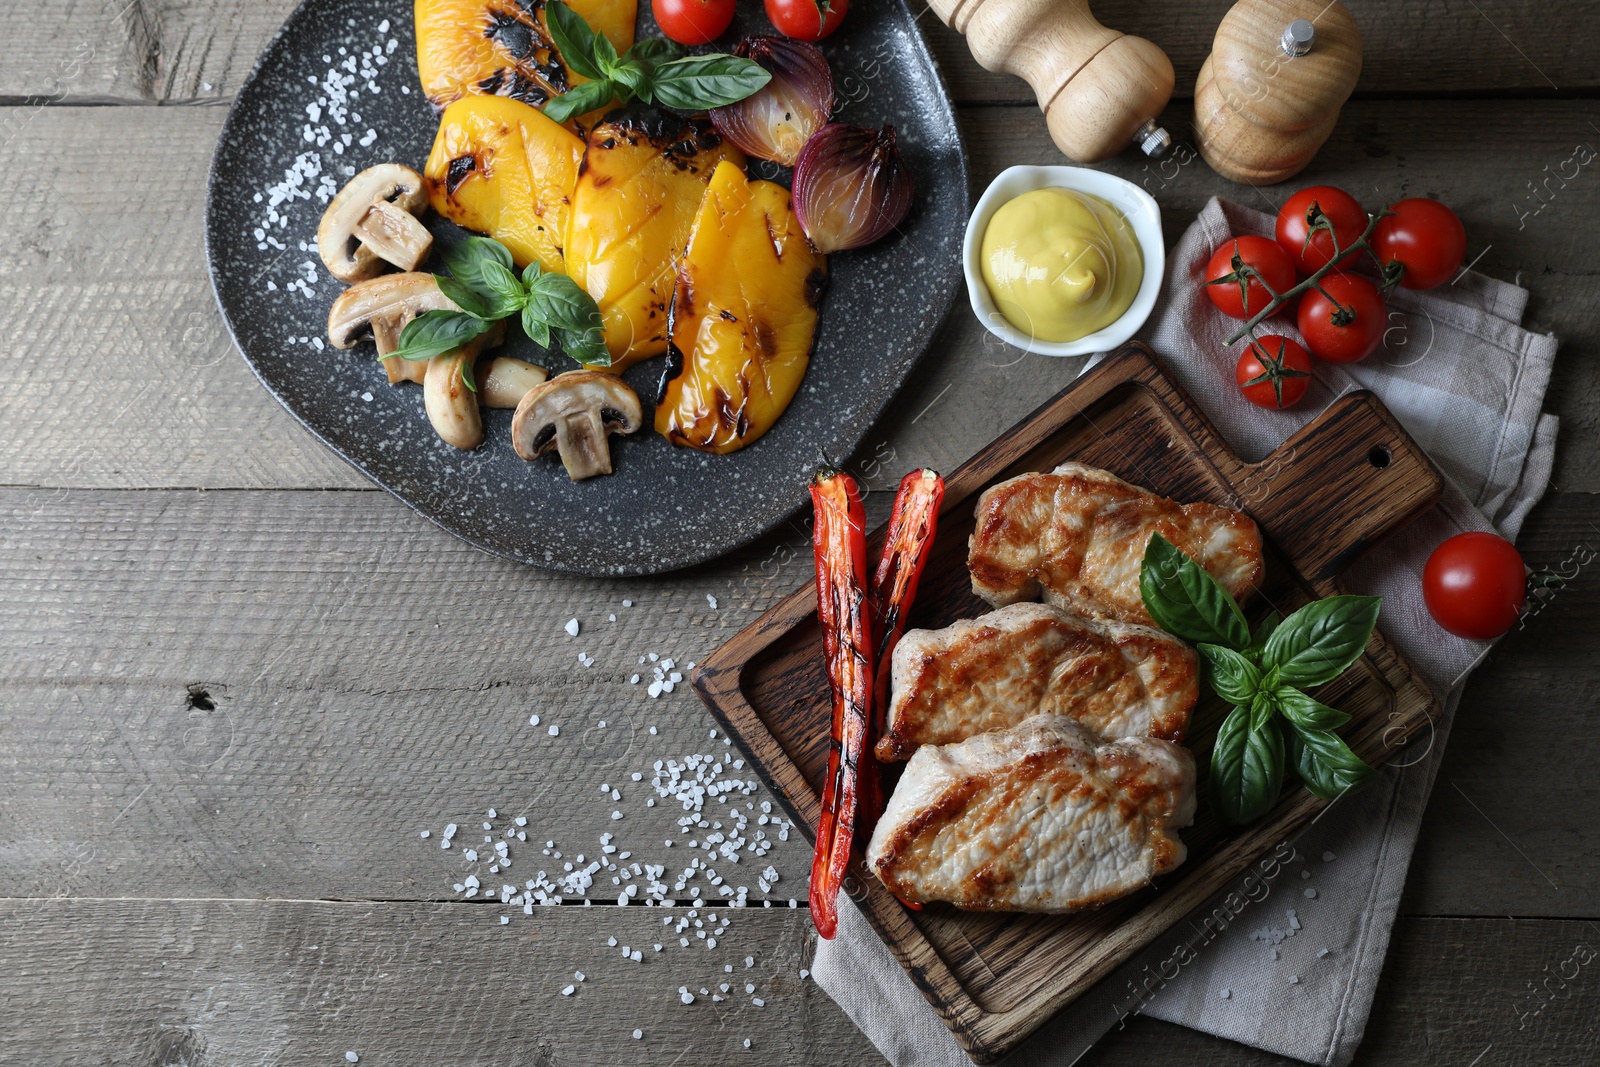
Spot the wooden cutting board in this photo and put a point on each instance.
(1348, 479)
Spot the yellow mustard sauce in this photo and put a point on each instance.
(1061, 264)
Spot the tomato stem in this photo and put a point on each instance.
(1314, 280)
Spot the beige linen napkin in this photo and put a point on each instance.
(1295, 968)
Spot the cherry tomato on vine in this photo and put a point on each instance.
(1304, 222)
(1474, 585)
(1242, 297)
(807, 20)
(1424, 237)
(693, 21)
(1273, 372)
(1347, 331)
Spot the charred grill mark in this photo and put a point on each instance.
(673, 368)
(816, 285)
(459, 170)
(512, 34)
(766, 341)
(527, 90)
(728, 316)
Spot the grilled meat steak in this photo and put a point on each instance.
(1077, 535)
(1043, 817)
(988, 673)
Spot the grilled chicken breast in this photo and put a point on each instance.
(1043, 816)
(1077, 535)
(988, 673)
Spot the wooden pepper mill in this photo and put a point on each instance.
(1100, 89)
(1269, 93)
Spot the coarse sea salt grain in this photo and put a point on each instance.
(352, 1057)
(571, 627)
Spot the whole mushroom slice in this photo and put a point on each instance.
(573, 413)
(381, 307)
(373, 221)
(503, 381)
(452, 407)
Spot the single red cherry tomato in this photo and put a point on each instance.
(1474, 585)
(1424, 237)
(1237, 269)
(1273, 372)
(1303, 224)
(1347, 331)
(807, 20)
(693, 21)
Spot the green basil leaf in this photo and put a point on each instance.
(435, 332)
(574, 39)
(580, 100)
(537, 329)
(695, 83)
(465, 298)
(634, 74)
(1186, 601)
(1302, 711)
(1317, 643)
(509, 292)
(605, 55)
(1246, 767)
(531, 272)
(586, 346)
(1325, 763)
(654, 50)
(1234, 677)
(558, 300)
(1268, 625)
(466, 260)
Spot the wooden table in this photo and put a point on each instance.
(239, 681)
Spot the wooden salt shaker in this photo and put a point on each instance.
(1100, 89)
(1270, 92)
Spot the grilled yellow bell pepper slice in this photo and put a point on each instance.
(503, 47)
(499, 167)
(643, 174)
(744, 312)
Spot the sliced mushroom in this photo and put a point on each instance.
(453, 408)
(503, 381)
(372, 221)
(573, 413)
(382, 307)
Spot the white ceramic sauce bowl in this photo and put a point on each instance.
(1138, 206)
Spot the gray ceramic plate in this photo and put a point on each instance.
(337, 91)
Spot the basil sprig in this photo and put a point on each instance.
(1263, 675)
(484, 284)
(654, 70)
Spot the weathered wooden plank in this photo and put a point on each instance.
(215, 982)
(319, 677)
(199, 51)
(1481, 850)
(234, 982)
(372, 677)
(1451, 990)
(111, 322)
(1450, 46)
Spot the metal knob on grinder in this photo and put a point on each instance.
(1100, 89)
(1269, 94)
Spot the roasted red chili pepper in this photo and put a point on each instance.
(906, 544)
(840, 547)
